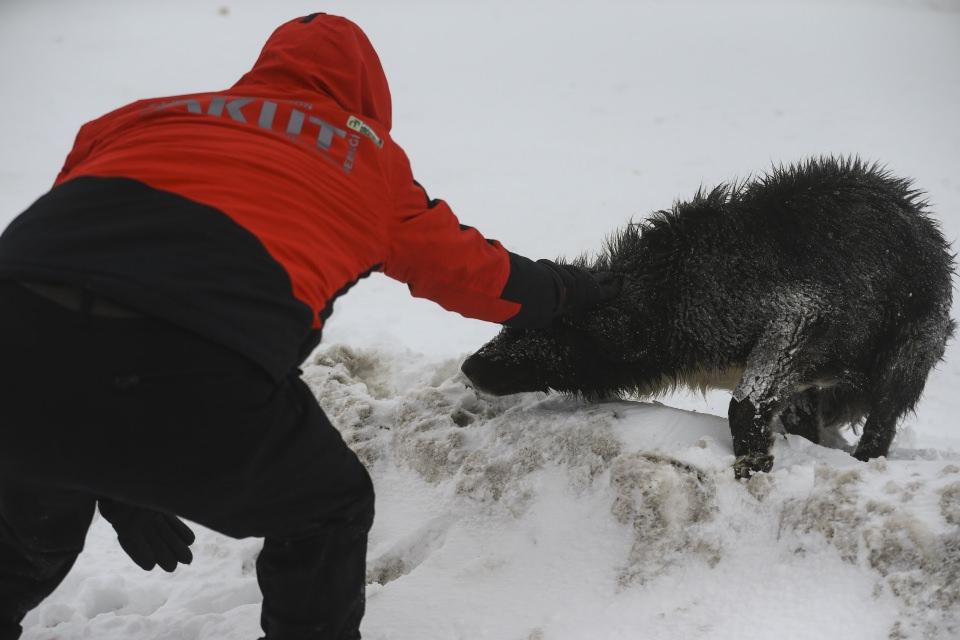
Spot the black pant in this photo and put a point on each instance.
(142, 412)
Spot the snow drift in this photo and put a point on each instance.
(657, 482)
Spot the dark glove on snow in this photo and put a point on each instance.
(149, 537)
(582, 290)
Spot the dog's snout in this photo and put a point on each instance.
(471, 367)
(496, 378)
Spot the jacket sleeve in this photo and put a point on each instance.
(456, 267)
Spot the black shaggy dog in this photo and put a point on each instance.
(819, 294)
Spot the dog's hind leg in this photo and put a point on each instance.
(818, 413)
(801, 415)
(785, 356)
(899, 377)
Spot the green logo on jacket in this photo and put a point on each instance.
(361, 127)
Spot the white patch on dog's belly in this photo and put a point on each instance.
(703, 381)
(700, 380)
(728, 379)
(819, 383)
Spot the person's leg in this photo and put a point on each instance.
(42, 531)
(313, 576)
(251, 459)
(278, 470)
(154, 416)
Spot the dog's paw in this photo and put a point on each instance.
(747, 465)
(867, 450)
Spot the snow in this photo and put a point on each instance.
(547, 125)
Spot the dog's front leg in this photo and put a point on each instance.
(750, 426)
(778, 363)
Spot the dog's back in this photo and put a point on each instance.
(839, 234)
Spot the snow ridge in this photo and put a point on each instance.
(666, 489)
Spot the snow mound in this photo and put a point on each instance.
(889, 522)
(659, 487)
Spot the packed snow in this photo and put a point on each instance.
(547, 125)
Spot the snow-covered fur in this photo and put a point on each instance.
(819, 294)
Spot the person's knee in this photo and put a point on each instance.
(39, 525)
(354, 509)
(365, 502)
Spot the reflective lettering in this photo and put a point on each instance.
(327, 131)
(216, 106)
(295, 125)
(234, 106)
(267, 111)
(193, 106)
(217, 103)
(351, 153)
(344, 156)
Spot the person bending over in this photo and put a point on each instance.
(177, 274)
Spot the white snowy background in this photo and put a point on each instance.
(547, 125)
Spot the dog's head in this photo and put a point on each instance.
(593, 355)
(519, 360)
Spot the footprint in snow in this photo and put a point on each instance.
(409, 553)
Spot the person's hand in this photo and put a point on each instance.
(149, 537)
(582, 289)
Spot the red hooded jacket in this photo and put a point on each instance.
(297, 153)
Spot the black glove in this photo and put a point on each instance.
(149, 537)
(582, 290)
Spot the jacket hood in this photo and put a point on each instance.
(326, 54)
